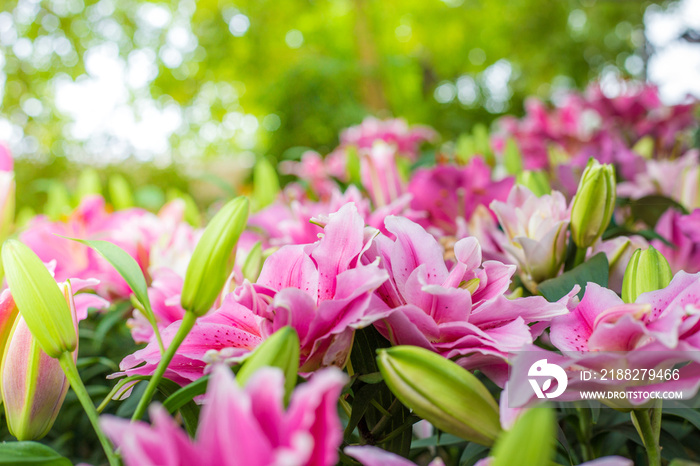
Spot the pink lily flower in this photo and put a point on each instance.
(394, 132)
(678, 179)
(312, 168)
(164, 295)
(604, 461)
(449, 194)
(321, 289)
(457, 309)
(536, 228)
(374, 456)
(287, 220)
(232, 328)
(368, 455)
(660, 329)
(247, 426)
(136, 231)
(685, 253)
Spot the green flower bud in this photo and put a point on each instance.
(212, 259)
(33, 385)
(593, 204)
(440, 391)
(281, 350)
(39, 299)
(120, 192)
(266, 184)
(647, 270)
(535, 181)
(88, 183)
(532, 440)
(252, 266)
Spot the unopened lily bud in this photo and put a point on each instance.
(535, 181)
(39, 299)
(281, 349)
(593, 204)
(647, 270)
(211, 261)
(252, 266)
(441, 392)
(120, 192)
(33, 385)
(266, 184)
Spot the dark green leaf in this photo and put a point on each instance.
(593, 270)
(14, 453)
(650, 208)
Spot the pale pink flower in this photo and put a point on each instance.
(247, 426)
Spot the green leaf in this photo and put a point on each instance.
(13, 453)
(596, 270)
(530, 441)
(186, 394)
(189, 411)
(650, 208)
(129, 269)
(511, 158)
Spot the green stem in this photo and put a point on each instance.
(580, 256)
(186, 325)
(68, 366)
(584, 434)
(648, 424)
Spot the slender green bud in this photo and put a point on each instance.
(440, 391)
(120, 192)
(532, 440)
(252, 266)
(535, 181)
(39, 299)
(212, 259)
(281, 350)
(266, 184)
(647, 270)
(88, 183)
(593, 204)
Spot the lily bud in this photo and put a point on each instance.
(593, 204)
(33, 385)
(252, 266)
(266, 184)
(120, 192)
(647, 270)
(535, 181)
(211, 261)
(441, 392)
(281, 350)
(39, 299)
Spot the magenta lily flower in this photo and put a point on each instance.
(320, 289)
(396, 132)
(154, 241)
(448, 194)
(232, 328)
(679, 230)
(456, 308)
(660, 329)
(247, 426)
(536, 228)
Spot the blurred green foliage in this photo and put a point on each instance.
(271, 77)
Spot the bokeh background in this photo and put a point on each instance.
(182, 95)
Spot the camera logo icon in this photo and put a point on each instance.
(542, 369)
